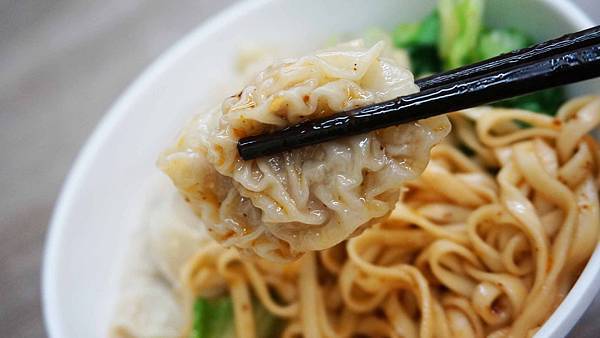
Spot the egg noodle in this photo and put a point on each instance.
(480, 245)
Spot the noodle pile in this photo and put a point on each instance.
(481, 245)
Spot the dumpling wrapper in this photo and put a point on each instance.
(281, 206)
(149, 303)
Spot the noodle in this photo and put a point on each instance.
(466, 253)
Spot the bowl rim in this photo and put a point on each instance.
(84, 159)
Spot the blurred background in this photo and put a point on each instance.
(62, 64)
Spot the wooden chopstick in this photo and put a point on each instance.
(511, 79)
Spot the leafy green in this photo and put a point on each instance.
(460, 27)
(498, 41)
(453, 35)
(464, 40)
(420, 40)
(424, 60)
(214, 318)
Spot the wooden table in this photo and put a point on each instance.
(62, 64)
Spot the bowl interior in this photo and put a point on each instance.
(103, 197)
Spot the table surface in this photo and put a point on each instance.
(63, 62)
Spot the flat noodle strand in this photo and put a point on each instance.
(468, 251)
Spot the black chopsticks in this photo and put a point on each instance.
(571, 58)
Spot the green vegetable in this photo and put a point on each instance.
(464, 40)
(498, 41)
(453, 36)
(460, 27)
(214, 318)
(424, 61)
(420, 40)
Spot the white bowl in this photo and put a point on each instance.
(104, 193)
